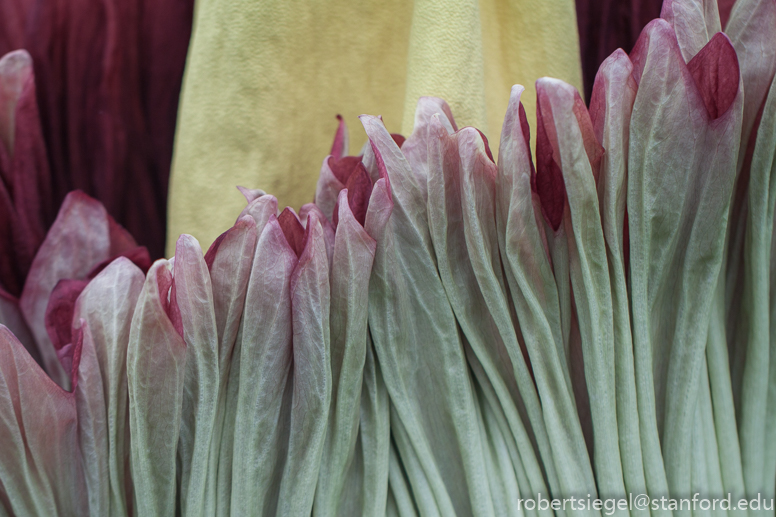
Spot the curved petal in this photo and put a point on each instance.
(312, 383)
(261, 370)
(351, 268)
(78, 240)
(156, 362)
(681, 168)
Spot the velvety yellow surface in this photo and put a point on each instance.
(265, 79)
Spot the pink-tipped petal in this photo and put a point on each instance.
(104, 311)
(681, 171)
(657, 34)
(230, 269)
(79, 240)
(403, 184)
(551, 151)
(339, 148)
(261, 209)
(262, 408)
(614, 92)
(611, 76)
(415, 148)
(193, 293)
(310, 298)
(580, 155)
(413, 325)
(156, 363)
(350, 271)
(516, 156)
(537, 299)
(138, 255)
(514, 188)
(461, 195)
(251, 194)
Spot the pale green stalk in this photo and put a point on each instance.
(420, 351)
(398, 489)
(612, 125)
(755, 302)
(458, 173)
(590, 282)
(534, 293)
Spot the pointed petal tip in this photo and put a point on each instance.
(515, 128)
(138, 255)
(516, 92)
(79, 196)
(437, 126)
(340, 144)
(121, 266)
(186, 244)
(370, 120)
(428, 103)
(547, 85)
(471, 137)
(615, 62)
(251, 194)
(162, 276)
(656, 34)
(15, 62)
(515, 105)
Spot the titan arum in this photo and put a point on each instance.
(442, 332)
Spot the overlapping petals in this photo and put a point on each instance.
(441, 332)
